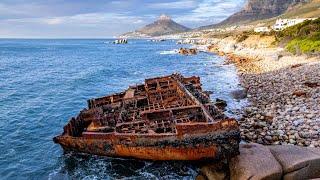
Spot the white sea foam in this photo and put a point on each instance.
(175, 51)
(57, 174)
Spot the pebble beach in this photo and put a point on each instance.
(283, 95)
(284, 106)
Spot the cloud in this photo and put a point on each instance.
(211, 11)
(81, 25)
(80, 18)
(173, 5)
(83, 19)
(53, 21)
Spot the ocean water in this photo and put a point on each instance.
(43, 83)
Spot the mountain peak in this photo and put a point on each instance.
(164, 17)
(164, 25)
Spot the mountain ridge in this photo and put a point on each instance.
(257, 10)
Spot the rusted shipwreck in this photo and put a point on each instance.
(167, 118)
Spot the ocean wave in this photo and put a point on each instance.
(175, 51)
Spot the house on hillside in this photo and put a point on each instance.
(284, 23)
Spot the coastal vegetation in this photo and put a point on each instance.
(304, 45)
(302, 38)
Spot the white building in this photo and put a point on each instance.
(261, 29)
(284, 23)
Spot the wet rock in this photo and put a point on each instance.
(215, 171)
(221, 104)
(185, 51)
(297, 162)
(254, 162)
(201, 177)
(239, 94)
(193, 51)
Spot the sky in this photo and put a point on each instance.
(103, 18)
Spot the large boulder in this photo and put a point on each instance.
(239, 94)
(254, 162)
(298, 162)
(215, 171)
(314, 150)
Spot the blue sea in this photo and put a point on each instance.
(43, 83)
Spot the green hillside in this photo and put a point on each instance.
(303, 37)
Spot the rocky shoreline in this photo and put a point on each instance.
(285, 106)
(281, 124)
(283, 93)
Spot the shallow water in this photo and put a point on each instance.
(45, 82)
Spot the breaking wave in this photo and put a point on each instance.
(175, 51)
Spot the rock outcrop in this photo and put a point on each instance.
(267, 162)
(120, 41)
(186, 51)
(298, 162)
(255, 162)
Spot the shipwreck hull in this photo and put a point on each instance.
(192, 142)
(167, 118)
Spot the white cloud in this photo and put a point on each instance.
(81, 25)
(53, 21)
(35, 18)
(83, 19)
(211, 11)
(173, 5)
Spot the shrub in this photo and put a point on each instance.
(241, 38)
(304, 37)
(306, 46)
(301, 30)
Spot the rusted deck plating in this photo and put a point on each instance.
(167, 118)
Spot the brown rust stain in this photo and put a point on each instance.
(169, 153)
